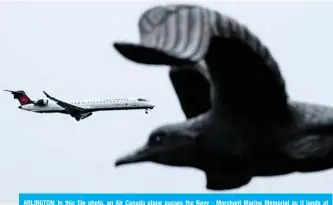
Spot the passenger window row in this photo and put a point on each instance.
(93, 102)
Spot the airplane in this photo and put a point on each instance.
(78, 109)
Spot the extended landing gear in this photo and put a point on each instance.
(146, 111)
(76, 117)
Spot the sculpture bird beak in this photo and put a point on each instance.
(151, 153)
(140, 155)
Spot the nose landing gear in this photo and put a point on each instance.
(146, 111)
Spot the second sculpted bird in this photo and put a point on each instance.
(240, 121)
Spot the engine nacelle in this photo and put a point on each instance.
(42, 102)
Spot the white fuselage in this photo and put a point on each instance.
(92, 106)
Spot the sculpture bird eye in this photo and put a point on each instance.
(158, 139)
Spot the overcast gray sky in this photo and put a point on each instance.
(64, 48)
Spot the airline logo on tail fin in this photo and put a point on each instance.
(24, 99)
(21, 96)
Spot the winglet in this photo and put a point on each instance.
(47, 95)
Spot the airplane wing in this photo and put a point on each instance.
(69, 107)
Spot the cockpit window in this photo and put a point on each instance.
(141, 99)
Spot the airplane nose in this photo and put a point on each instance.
(20, 107)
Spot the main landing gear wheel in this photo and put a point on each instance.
(146, 111)
(77, 118)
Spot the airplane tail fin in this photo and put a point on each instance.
(21, 96)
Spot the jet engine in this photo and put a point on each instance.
(42, 102)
